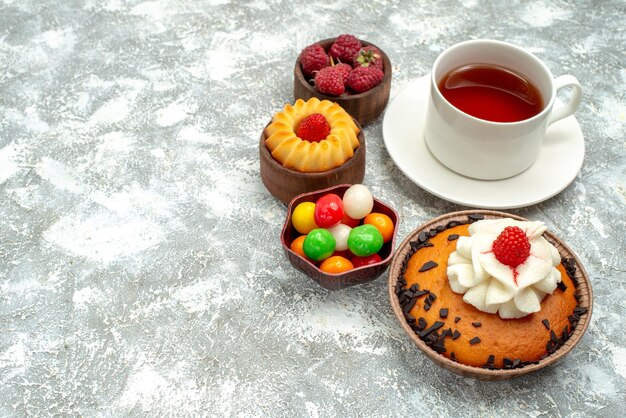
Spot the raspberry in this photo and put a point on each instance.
(364, 78)
(329, 80)
(313, 128)
(345, 48)
(313, 58)
(511, 247)
(345, 70)
(368, 56)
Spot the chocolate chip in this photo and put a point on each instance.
(572, 320)
(410, 304)
(423, 236)
(457, 319)
(427, 266)
(562, 287)
(452, 237)
(474, 340)
(580, 310)
(432, 232)
(422, 322)
(475, 217)
(399, 289)
(443, 313)
(452, 224)
(426, 307)
(546, 324)
(553, 336)
(441, 228)
(456, 334)
(409, 318)
(433, 327)
(452, 356)
(476, 324)
(489, 363)
(439, 348)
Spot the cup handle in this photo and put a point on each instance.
(570, 107)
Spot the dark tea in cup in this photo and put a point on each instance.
(491, 92)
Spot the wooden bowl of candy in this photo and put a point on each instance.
(453, 333)
(365, 92)
(340, 236)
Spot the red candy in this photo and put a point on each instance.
(352, 223)
(366, 261)
(328, 210)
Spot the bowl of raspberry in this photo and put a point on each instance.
(354, 73)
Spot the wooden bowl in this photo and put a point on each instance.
(285, 183)
(353, 277)
(364, 107)
(584, 291)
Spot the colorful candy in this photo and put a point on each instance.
(382, 222)
(297, 244)
(357, 201)
(336, 264)
(340, 233)
(319, 244)
(366, 261)
(303, 217)
(364, 240)
(328, 210)
(346, 220)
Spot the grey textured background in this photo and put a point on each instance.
(140, 266)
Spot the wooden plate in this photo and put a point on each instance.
(584, 291)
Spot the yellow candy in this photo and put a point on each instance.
(303, 217)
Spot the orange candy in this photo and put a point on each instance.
(336, 264)
(296, 246)
(382, 222)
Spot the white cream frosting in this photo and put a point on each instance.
(491, 286)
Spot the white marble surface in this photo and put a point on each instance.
(140, 266)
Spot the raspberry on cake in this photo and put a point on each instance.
(313, 128)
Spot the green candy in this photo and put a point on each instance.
(365, 240)
(319, 244)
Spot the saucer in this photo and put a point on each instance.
(560, 158)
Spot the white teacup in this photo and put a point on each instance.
(480, 148)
